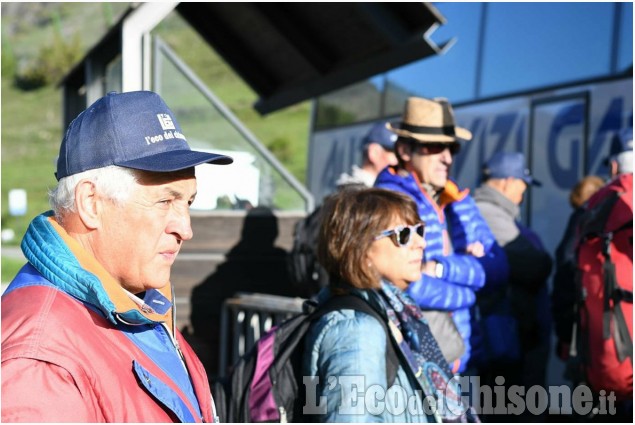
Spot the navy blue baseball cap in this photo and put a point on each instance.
(509, 164)
(133, 130)
(380, 134)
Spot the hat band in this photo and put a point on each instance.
(447, 130)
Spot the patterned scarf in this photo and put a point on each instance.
(418, 346)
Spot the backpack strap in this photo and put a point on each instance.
(612, 291)
(353, 302)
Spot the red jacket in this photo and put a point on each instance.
(73, 358)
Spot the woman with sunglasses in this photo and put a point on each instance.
(371, 244)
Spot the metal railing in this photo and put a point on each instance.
(246, 317)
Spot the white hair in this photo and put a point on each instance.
(112, 182)
(624, 162)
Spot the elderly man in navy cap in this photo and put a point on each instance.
(525, 301)
(88, 324)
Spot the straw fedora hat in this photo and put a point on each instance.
(431, 121)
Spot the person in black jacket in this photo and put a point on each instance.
(505, 180)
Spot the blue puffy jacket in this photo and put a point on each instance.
(450, 228)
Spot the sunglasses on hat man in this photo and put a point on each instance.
(434, 148)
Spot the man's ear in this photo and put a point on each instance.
(507, 184)
(403, 151)
(88, 204)
(498, 184)
(373, 152)
(509, 181)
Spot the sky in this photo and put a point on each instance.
(525, 46)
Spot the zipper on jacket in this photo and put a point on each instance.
(171, 332)
(177, 347)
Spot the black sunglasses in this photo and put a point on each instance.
(400, 235)
(436, 148)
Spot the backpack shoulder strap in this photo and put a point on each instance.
(593, 220)
(613, 292)
(354, 302)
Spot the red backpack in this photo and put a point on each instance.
(605, 290)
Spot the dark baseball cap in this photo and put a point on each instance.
(133, 130)
(380, 134)
(509, 164)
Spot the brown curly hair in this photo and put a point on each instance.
(351, 219)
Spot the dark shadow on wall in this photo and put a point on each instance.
(254, 264)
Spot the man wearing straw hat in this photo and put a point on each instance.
(461, 254)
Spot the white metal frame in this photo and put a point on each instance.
(136, 50)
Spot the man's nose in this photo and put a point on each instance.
(446, 156)
(181, 225)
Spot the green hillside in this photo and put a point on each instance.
(31, 119)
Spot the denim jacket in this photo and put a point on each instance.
(347, 347)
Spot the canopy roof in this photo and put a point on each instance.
(291, 52)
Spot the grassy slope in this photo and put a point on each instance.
(290, 125)
(31, 121)
(10, 267)
(31, 129)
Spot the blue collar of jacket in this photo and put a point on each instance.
(70, 268)
(392, 178)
